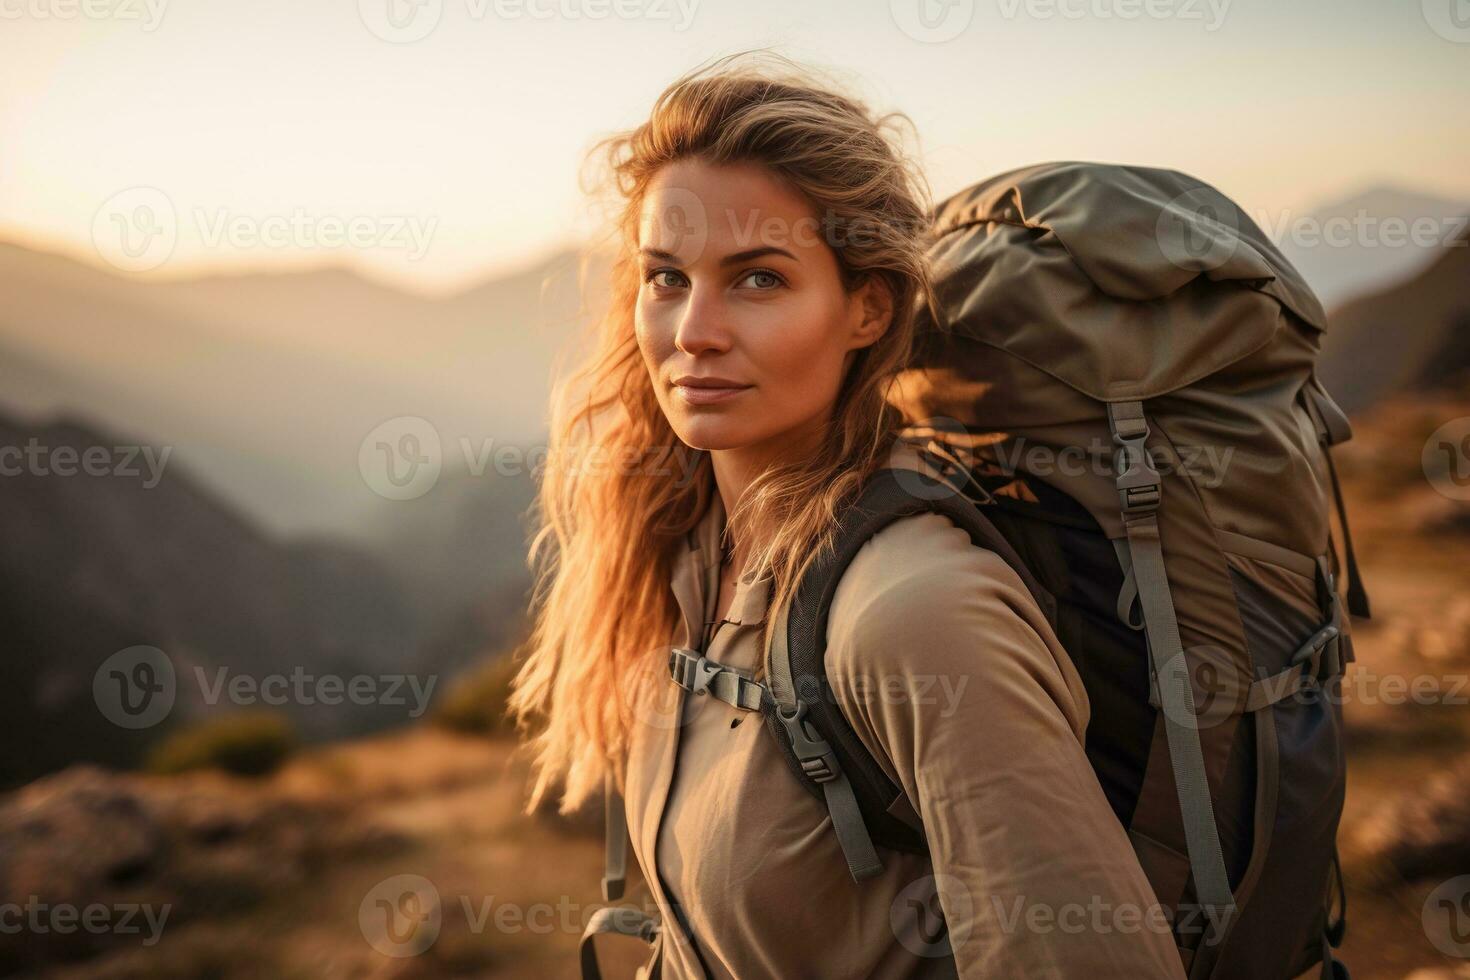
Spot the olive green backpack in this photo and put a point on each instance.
(1116, 384)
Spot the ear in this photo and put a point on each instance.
(871, 308)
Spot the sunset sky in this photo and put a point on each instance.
(457, 152)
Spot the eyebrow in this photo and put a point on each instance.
(734, 258)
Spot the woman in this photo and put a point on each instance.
(771, 255)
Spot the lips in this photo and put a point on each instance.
(708, 390)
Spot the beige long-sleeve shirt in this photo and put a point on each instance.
(955, 682)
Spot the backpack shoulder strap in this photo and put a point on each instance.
(820, 745)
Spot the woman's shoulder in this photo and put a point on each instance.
(920, 597)
(922, 565)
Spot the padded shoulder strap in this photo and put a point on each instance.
(820, 746)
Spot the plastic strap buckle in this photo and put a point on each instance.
(1138, 478)
(692, 671)
(815, 755)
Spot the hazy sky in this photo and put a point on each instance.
(265, 130)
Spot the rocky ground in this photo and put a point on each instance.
(394, 857)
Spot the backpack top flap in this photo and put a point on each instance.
(1122, 282)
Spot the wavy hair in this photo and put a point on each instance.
(608, 531)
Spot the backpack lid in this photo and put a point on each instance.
(1123, 282)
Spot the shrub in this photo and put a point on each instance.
(475, 702)
(246, 743)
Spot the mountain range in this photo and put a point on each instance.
(264, 544)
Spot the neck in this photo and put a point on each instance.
(736, 469)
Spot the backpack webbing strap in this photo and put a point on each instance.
(821, 747)
(1139, 491)
(820, 764)
(818, 761)
(623, 920)
(615, 851)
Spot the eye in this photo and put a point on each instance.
(665, 278)
(763, 279)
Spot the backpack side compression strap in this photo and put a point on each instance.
(820, 745)
(1140, 493)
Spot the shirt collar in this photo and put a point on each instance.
(697, 577)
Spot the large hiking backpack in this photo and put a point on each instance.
(1116, 388)
(1118, 376)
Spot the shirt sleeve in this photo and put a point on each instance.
(955, 682)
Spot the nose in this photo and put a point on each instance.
(703, 327)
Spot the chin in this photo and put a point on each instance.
(713, 434)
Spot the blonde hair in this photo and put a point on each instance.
(608, 536)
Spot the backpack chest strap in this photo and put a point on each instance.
(699, 674)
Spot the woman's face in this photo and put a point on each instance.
(742, 317)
